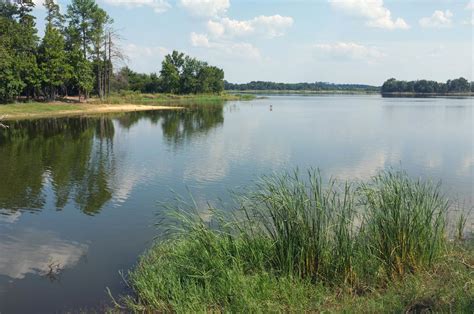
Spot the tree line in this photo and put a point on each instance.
(460, 85)
(75, 57)
(180, 74)
(316, 86)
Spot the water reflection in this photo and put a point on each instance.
(37, 252)
(76, 157)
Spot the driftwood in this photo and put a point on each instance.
(3, 126)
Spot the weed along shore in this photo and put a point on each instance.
(129, 102)
(296, 242)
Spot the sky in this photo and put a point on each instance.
(340, 41)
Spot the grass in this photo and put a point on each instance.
(172, 99)
(35, 107)
(93, 105)
(298, 243)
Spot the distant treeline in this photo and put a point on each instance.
(316, 86)
(180, 74)
(456, 86)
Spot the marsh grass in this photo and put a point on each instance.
(404, 223)
(170, 99)
(298, 243)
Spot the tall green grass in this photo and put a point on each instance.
(291, 238)
(404, 223)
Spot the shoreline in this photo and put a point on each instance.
(54, 110)
(425, 95)
(115, 104)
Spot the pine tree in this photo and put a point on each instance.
(53, 15)
(26, 49)
(54, 67)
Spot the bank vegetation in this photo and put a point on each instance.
(297, 243)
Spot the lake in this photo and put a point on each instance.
(79, 197)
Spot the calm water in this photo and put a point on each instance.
(79, 196)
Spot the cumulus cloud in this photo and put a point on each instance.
(229, 48)
(269, 26)
(224, 34)
(206, 8)
(159, 6)
(374, 11)
(349, 51)
(439, 19)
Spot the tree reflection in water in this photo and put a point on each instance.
(76, 155)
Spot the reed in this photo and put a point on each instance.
(292, 242)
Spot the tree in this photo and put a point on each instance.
(11, 84)
(53, 15)
(170, 74)
(54, 67)
(82, 76)
(26, 48)
(80, 14)
(211, 80)
(189, 82)
(460, 85)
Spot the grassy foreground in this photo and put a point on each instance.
(300, 244)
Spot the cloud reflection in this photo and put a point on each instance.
(34, 251)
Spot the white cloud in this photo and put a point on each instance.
(134, 51)
(36, 252)
(439, 19)
(199, 40)
(273, 26)
(206, 8)
(159, 6)
(350, 50)
(229, 48)
(144, 59)
(373, 10)
(470, 5)
(268, 26)
(471, 22)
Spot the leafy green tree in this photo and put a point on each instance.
(170, 76)
(189, 81)
(211, 80)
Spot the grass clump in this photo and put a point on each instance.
(298, 243)
(404, 223)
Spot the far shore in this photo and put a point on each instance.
(60, 109)
(427, 95)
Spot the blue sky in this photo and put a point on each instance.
(341, 41)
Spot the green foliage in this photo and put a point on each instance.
(304, 235)
(460, 85)
(404, 227)
(53, 62)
